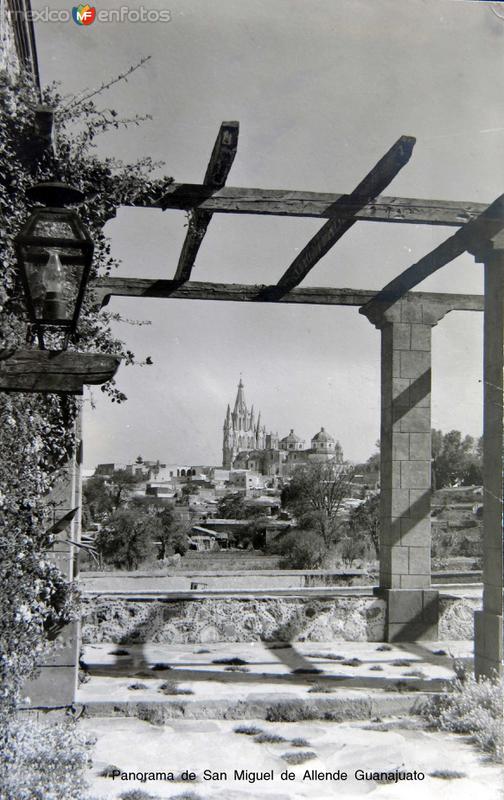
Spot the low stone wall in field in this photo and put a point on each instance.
(239, 619)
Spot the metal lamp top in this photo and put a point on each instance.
(55, 193)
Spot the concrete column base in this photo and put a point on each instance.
(412, 614)
(487, 644)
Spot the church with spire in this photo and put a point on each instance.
(248, 445)
(242, 432)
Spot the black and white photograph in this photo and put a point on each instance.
(251, 399)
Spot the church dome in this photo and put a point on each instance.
(322, 436)
(291, 442)
(291, 438)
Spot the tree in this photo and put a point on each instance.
(364, 521)
(372, 465)
(106, 493)
(164, 523)
(234, 506)
(120, 484)
(352, 548)
(315, 496)
(172, 534)
(127, 539)
(455, 459)
(97, 497)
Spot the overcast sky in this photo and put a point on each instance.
(321, 90)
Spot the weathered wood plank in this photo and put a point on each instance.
(104, 288)
(50, 371)
(218, 168)
(375, 181)
(317, 205)
(486, 225)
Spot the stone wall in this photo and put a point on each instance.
(357, 618)
(9, 58)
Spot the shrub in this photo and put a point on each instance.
(302, 550)
(472, 707)
(42, 762)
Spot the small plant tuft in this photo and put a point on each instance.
(137, 686)
(291, 712)
(383, 648)
(170, 687)
(233, 662)
(119, 651)
(186, 796)
(299, 758)
(447, 774)
(269, 738)
(351, 662)
(472, 707)
(247, 730)
(320, 688)
(136, 794)
(299, 742)
(236, 669)
(327, 656)
(160, 666)
(107, 771)
(414, 673)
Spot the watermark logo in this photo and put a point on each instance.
(83, 14)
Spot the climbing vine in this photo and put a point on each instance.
(37, 431)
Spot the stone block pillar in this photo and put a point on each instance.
(405, 438)
(488, 652)
(56, 684)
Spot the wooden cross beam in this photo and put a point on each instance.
(482, 228)
(49, 371)
(315, 205)
(375, 182)
(104, 288)
(218, 168)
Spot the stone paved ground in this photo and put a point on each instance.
(238, 670)
(453, 769)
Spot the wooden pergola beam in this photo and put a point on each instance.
(218, 168)
(375, 182)
(480, 229)
(314, 205)
(104, 288)
(50, 371)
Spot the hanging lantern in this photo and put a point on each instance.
(55, 253)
